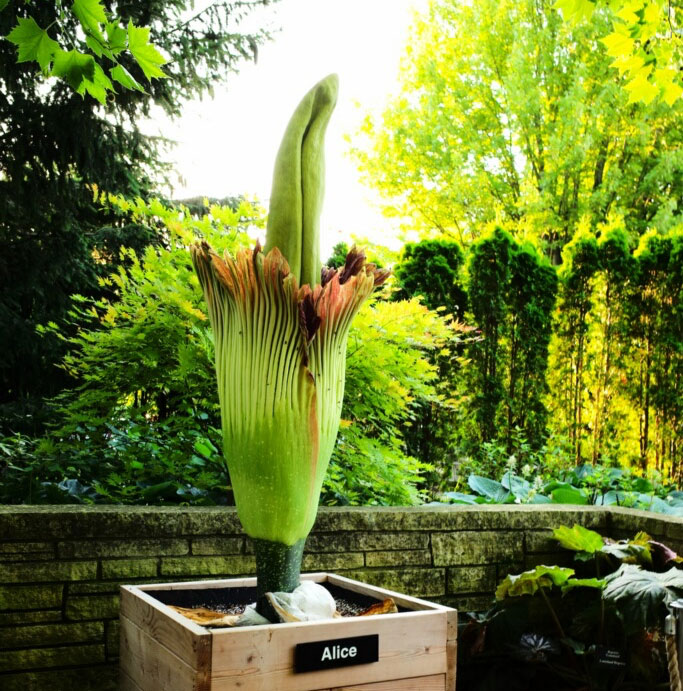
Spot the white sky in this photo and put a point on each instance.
(227, 146)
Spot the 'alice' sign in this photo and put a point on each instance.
(337, 652)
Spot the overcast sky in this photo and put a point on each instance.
(226, 146)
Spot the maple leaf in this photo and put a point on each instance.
(652, 13)
(3, 4)
(628, 14)
(74, 67)
(118, 38)
(125, 78)
(640, 89)
(33, 43)
(671, 89)
(98, 86)
(90, 14)
(574, 11)
(618, 44)
(147, 56)
(630, 63)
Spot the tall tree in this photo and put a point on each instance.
(613, 286)
(55, 145)
(434, 271)
(507, 113)
(431, 269)
(576, 278)
(656, 343)
(489, 274)
(511, 294)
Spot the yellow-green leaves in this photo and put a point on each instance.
(644, 42)
(33, 43)
(90, 14)
(103, 38)
(299, 183)
(578, 538)
(575, 10)
(640, 88)
(147, 56)
(544, 578)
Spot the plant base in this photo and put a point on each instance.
(278, 569)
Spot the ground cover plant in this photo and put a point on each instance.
(597, 624)
(586, 484)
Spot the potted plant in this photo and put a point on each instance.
(597, 625)
(280, 322)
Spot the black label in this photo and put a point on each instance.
(608, 657)
(338, 652)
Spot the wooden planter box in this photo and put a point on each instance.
(163, 651)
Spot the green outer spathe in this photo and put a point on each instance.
(280, 395)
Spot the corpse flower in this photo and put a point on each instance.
(280, 325)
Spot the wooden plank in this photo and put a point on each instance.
(187, 640)
(126, 683)
(261, 658)
(435, 682)
(406, 601)
(153, 667)
(249, 582)
(451, 649)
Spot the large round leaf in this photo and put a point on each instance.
(460, 498)
(643, 596)
(517, 485)
(578, 538)
(570, 495)
(529, 582)
(488, 488)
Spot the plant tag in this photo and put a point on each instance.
(337, 652)
(609, 657)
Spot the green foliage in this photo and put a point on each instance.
(432, 270)
(101, 34)
(492, 490)
(645, 44)
(489, 275)
(578, 538)
(511, 294)
(543, 577)
(508, 114)
(339, 252)
(591, 485)
(616, 359)
(549, 624)
(389, 369)
(56, 144)
(144, 426)
(643, 596)
(141, 425)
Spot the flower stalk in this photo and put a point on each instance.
(280, 353)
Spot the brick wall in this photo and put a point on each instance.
(60, 567)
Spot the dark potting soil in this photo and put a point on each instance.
(235, 600)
